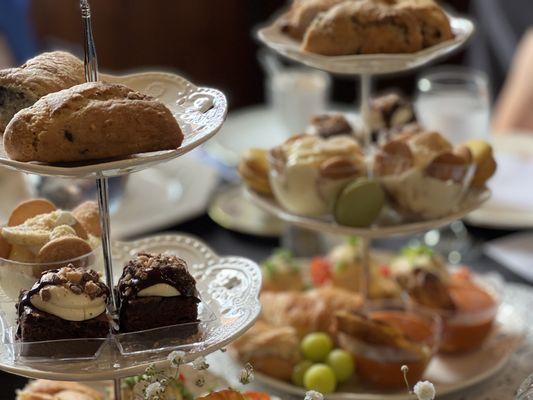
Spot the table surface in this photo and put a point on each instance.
(231, 243)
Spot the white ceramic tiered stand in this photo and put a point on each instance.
(229, 286)
(365, 66)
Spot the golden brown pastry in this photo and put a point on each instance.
(254, 169)
(57, 390)
(47, 73)
(434, 23)
(88, 215)
(307, 311)
(363, 27)
(272, 350)
(302, 14)
(484, 160)
(91, 121)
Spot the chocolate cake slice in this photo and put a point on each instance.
(65, 303)
(157, 290)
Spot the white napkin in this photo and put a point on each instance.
(512, 186)
(514, 252)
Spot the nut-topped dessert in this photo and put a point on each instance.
(65, 303)
(308, 172)
(39, 233)
(156, 290)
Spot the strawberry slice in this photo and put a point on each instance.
(320, 271)
(256, 396)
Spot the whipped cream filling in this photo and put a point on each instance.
(63, 303)
(159, 289)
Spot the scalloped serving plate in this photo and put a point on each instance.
(370, 64)
(200, 113)
(270, 205)
(229, 285)
(450, 374)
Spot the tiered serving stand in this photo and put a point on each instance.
(366, 66)
(228, 286)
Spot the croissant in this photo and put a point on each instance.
(308, 311)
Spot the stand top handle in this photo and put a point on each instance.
(90, 61)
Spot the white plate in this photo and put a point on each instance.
(471, 202)
(450, 374)
(511, 206)
(271, 35)
(164, 195)
(199, 111)
(231, 283)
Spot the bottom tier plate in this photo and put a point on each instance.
(450, 374)
(229, 286)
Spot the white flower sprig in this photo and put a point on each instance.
(313, 395)
(247, 374)
(200, 364)
(153, 391)
(176, 358)
(423, 390)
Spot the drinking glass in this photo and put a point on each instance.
(296, 94)
(454, 101)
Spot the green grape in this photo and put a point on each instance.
(320, 377)
(342, 364)
(316, 346)
(299, 371)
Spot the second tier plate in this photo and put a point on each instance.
(370, 64)
(228, 286)
(326, 225)
(200, 112)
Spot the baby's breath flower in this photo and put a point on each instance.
(200, 364)
(150, 370)
(223, 350)
(247, 374)
(424, 390)
(200, 381)
(176, 358)
(313, 395)
(152, 391)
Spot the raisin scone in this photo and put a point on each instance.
(434, 23)
(363, 27)
(91, 121)
(302, 13)
(47, 73)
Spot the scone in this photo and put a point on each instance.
(91, 121)
(363, 27)
(47, 73)
(434, 24)
(301, 15)
(57, 390)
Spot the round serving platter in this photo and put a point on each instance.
(471, 202)
(200, 113)
(370, 64)
(228, 285)
(450, 374)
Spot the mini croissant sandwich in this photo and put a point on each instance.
(91, 121)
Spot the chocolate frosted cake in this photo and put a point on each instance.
(156, 290)
(65, 303)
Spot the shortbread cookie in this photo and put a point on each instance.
(91, 121)
(57, 390)
(29, 209)
(363, 27)
(63, 249)
(46, 73)
(88, 215)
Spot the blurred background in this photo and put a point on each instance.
(212, 41)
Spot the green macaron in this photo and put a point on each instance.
(359, 203)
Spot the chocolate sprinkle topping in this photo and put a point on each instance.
(147, 270)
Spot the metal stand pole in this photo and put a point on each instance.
(118, 389)
(364, 106)
(364, 278)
